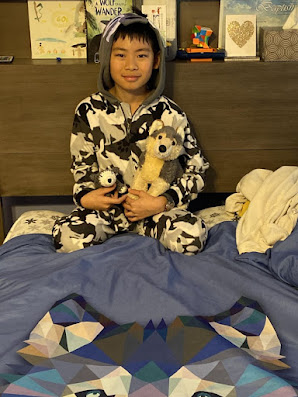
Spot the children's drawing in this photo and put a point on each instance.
(57, 29)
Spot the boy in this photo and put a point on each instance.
(110, 129)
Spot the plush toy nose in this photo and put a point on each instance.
(162, 148)
(110, 180)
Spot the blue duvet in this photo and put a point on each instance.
(131, 278)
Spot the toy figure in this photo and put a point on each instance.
(200, 36)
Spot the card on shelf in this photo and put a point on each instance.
(241, 35)
(57, 29)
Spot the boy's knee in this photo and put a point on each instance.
(187, 235)
(68, 237)
(65, 239)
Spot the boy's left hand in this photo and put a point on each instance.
(145, 206)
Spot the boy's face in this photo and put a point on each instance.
(131, 65)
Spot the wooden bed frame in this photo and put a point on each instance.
(244, 115)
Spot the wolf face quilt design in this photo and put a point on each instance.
(76, 351)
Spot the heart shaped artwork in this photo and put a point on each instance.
(240, 34)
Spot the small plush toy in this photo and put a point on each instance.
(159, 165)
(108, 178)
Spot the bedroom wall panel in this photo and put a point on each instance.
(35, 174)
(14, 28)
(238, 105)
(227, 167)
(39, 103)
(1, 224)
(240, 125)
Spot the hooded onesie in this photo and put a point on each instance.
(106, 134)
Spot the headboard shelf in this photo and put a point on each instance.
(244, 115)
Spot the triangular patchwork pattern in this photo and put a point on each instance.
(74, 351)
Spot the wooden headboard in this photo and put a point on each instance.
(244, 115)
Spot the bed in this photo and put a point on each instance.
(129, 318)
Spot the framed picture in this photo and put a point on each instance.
(268, 13)
(240, 35)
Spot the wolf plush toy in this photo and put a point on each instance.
(159, 165)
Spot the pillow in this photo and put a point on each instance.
(39, 221)
(214, 215)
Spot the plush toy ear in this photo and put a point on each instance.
(180, 131)
(156, 125)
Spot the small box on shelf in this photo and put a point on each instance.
(277, 44)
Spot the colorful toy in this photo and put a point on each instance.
(159, 165)
(200, 36)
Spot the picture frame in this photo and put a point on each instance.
(240, 36)
(268, 13)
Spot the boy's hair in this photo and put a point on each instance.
(138, 31)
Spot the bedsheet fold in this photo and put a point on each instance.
(273, 210)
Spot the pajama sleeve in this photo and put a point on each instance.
(84, 162)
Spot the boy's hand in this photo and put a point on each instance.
(145, 206)
(98, 199)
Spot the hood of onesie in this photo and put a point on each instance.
(105, 81)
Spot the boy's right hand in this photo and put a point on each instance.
(98, 199)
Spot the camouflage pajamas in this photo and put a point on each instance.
(105, 134)
(178, 229)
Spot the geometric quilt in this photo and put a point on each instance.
(76, 351)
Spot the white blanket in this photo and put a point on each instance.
(273, 210)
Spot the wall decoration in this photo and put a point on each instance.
(268, 12)
(240, 36)
(57, 29)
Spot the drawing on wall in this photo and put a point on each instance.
(98, 14)
(269, 13)
(57, 29)
(240, 35)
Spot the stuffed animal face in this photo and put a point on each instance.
(107, 178)
(165, 143)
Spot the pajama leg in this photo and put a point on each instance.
(178, 230)
(84, 228)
